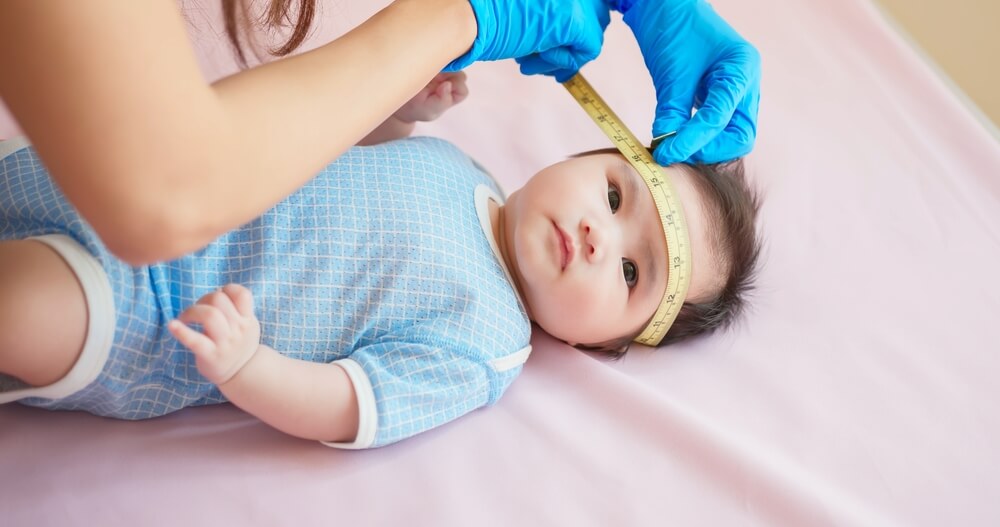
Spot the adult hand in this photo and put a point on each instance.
(558, 34)
(697, 61)
(558, 62)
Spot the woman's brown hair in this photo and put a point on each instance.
(241, 22)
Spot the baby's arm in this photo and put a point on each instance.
(304, 399)
(444, 91)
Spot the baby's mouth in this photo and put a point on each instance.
(566, 251)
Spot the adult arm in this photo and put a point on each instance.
(160, 162)
(444, 91)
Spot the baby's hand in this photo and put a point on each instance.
(230, 332)
(444, 91)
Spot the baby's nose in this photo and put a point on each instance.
(593, 242)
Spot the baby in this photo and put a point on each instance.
(393, 293)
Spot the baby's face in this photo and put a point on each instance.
(585, 243)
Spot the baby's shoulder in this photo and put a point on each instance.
(431, 160)
(414, 148)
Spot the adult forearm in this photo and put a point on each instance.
(284, 121)
(340, 92)
(304, 399)
(158, 161)
(390, 130)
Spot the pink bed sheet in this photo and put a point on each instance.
(860, 390)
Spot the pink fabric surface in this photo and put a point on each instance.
(860, 390)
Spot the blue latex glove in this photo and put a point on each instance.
(697, 61)
(563, 32)
(558, 62)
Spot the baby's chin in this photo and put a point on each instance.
(556, 332)
(571, 335)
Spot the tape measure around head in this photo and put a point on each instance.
(667, 205)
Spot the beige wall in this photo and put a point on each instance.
(963, 38)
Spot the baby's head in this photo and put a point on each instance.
(584, 242)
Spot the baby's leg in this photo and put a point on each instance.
(43, 313)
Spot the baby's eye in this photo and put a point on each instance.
(630, 271)
(614, 198)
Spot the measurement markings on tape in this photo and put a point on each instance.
(664, 195)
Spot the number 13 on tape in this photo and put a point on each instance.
(664, 196)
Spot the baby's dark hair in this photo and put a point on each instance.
(732, 206)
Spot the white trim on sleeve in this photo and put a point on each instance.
(367, 408)
(513, 360)
(100, 322)
(9, 146)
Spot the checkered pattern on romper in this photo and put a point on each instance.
(380, 258)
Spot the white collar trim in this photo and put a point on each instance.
(483, 195)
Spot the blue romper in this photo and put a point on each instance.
(380, 263)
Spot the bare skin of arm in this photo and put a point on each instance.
(160, 162)
(441, 93)
(301, 398)
(393, 128)
(304, 399)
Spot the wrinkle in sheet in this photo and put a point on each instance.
(857, 401)
(740, 466)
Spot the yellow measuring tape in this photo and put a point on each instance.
(667, 204)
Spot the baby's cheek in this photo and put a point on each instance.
(587, 315)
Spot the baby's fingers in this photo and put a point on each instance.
(459, 90)
(214, 323)
(199, 344)
(242, 298)
(222, 301)
(443, 94)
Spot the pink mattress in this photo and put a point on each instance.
(861, 389)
